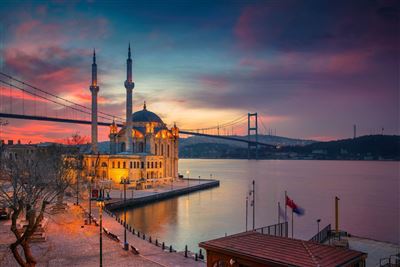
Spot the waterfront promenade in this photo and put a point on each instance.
(72, 243)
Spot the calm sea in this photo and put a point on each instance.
(369, 203)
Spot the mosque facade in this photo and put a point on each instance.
(144, 150)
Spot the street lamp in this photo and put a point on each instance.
(187, 173)
(125, 181)
(100, 204)
(318, 221)
(199, 179)
(90, 198)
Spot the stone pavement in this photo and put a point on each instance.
(147, 250)
(71, 243)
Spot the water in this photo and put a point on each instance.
(368, 207)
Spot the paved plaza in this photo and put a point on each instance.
(71, 243)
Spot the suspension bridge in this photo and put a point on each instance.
(21, 100)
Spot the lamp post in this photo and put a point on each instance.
(318, 221)
(100, 204)
(79, 167)
(125, 181)
(188, 173)
(90, 199)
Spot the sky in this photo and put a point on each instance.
(310, 69)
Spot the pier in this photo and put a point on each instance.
(142, 197)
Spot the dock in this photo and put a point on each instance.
(142, 197)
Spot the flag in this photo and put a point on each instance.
(296, 209)
(282, 214)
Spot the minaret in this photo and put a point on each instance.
(129, 85)
(94, 89)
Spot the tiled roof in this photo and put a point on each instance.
(281, 250)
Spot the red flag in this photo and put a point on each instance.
(296, 209)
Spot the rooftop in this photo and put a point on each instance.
(268, 249)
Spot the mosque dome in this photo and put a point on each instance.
(146, 116)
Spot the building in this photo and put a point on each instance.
(144, 150)
(256, 250)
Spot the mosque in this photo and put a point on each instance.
(144, 150)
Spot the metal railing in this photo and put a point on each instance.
(279, 229)
(323, 235)
(392, 260)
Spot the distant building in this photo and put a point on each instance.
(144, 150)
(255, 249)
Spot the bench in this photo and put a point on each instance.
(134, 250)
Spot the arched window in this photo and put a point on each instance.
(124, 165)
(162, 150)
(130, 164)
(156, 164)
(113, 165)
(119, 165)
(168, 151)
(160, 164)
(142, 165)
(148, 165)
(152, 165)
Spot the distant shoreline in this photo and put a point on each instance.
(376, 160)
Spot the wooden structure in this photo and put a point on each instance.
(255, 249)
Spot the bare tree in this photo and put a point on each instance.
(29, 183)
(78, 145)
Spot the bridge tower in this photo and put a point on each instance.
(94, 89)
(129, 85)
(252, 128)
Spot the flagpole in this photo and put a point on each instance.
(285, 206)
(279, 219)
(254, 206)
(292, 224)
(247, 204)
(279, 212)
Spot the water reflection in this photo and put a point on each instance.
(153, 218)
(369, 205)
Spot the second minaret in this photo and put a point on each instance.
(94, 89)
(129, 85)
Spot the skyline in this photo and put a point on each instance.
(314, 70)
